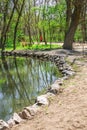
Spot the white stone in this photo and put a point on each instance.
(26, 114)
(55, 88)
(32, 109)
(17, 118)
(59, 81)
(11, 122)
(42, 100)
(3, 125)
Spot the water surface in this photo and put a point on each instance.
(21, 80)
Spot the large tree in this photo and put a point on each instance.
(75, 17)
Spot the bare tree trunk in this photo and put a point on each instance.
(16, 26)
(68, 42)
(83, 25)
(68, 14)
(44, 34)
(36, 22)
(3, 34)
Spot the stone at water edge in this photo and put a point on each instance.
(20, 114)
(67, 72)
(11, 122)
(33, 109)
(30, 110)
(47, 96)
(42, 100)
(17, 118)
(54, 88)
(25, 114)
(3, 125)
(65, 77)
(59, 82)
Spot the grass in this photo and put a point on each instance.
(44, 47)
(37, 47)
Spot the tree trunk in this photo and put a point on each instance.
(83, 24)
(3, 34)
(44, 37)
(68, 14)
(68, 42)
(16, 26)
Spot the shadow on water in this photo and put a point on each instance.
(21, 80)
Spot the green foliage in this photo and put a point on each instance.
(54, 21)
(43, 47)
(37, 47)
(2, 81)
(36, 19)
(78, 35)
(51, 18)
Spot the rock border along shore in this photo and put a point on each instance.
(43, 100)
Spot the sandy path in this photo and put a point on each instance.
(68, 111)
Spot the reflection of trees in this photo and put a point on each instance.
(23, 89)
(41, 72)
(38, 72)
(23, 78)
(11, 88)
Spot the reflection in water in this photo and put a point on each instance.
(21, 80)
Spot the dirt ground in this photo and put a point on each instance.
(68, 110)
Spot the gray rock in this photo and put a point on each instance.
(60, 68)
(57, 59)
(25, 114)
(59, 81)
(55, 88)
(42, 100)
(55, 56)
(11, 122)
(62, 60)
(3, 125)
(17, 118)
(67, 67)
(32, 109)
(67, 72)
(65, 77)
(20, 114)
(46, 56)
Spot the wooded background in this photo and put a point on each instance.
(54, 20)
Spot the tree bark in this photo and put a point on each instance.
(16, 26)
(68, 14)
(68, 42)
(3, 34)
(83, 24)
